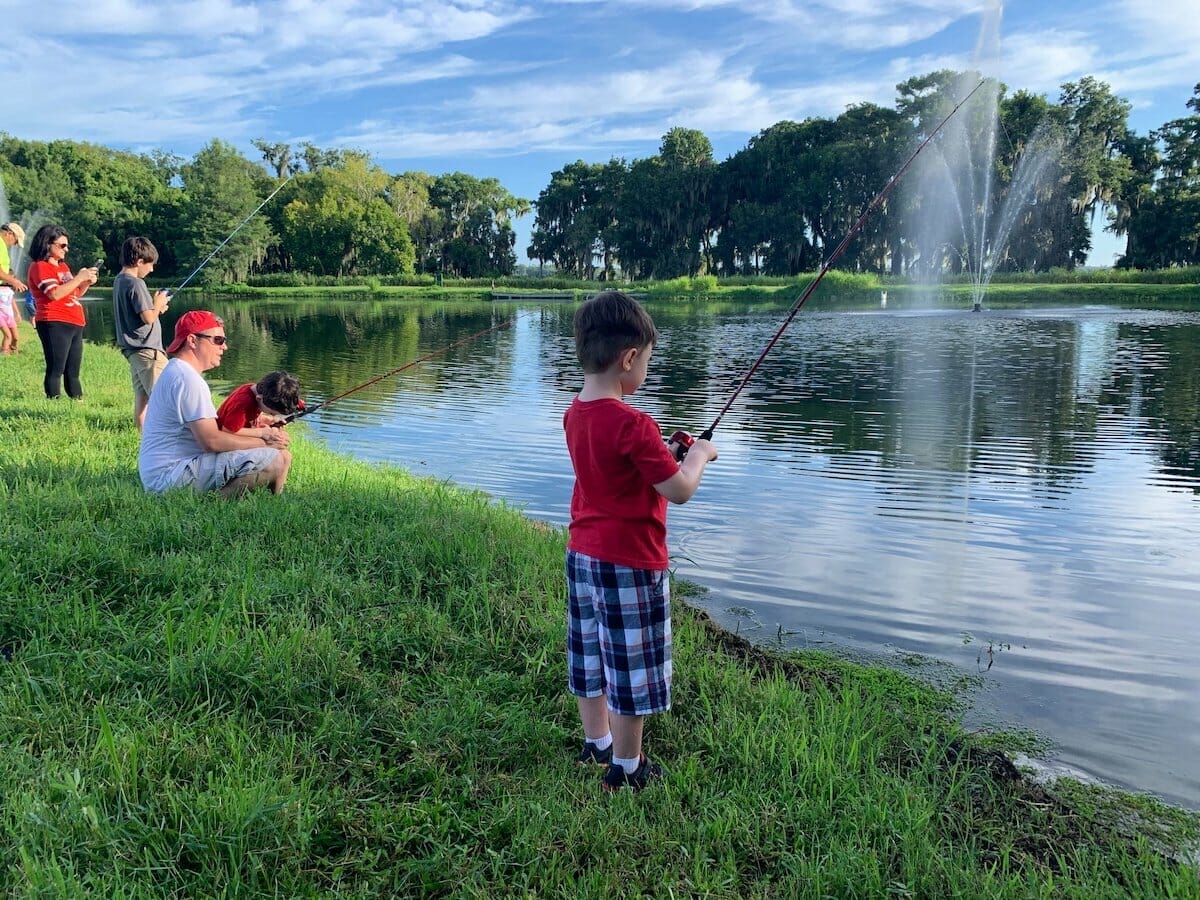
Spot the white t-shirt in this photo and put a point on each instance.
(181, 395)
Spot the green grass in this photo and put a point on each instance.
(1176, 288)
(357, 689)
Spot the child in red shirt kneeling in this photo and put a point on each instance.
(253, 408)
(618, 616)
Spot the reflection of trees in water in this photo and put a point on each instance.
(1158, 383)
(902, 389)
(335, 346)
(896, 387)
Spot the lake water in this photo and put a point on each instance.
(1010, 493)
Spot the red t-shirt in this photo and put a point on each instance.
(619, 455)
(240, 409)
(44, 275)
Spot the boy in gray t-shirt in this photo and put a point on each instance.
(136, 316)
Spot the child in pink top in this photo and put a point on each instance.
(11, 235)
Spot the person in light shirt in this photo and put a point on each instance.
(182, 445)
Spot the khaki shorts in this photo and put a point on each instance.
(212, 471)
(145, 366)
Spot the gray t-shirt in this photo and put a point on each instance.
(181, 395)
(131, 298)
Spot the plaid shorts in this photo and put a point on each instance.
(619, 635)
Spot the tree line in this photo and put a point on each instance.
(781, 204)
(776, 207)
(337, 212)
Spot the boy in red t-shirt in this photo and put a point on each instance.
(252, 408)
(618, 616)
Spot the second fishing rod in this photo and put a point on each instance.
(682, 439)
(242, 224)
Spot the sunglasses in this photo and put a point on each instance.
(64, 245)
(218, 339)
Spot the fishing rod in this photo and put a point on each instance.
(682, 439)
(231, 234)
(307, 410)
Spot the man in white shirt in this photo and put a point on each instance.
(181, 443)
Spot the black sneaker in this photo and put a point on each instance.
(616, 777)
(589, 755)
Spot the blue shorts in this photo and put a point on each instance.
(619, 635)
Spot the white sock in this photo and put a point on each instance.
(629, 765)
(600, 743)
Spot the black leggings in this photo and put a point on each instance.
(62, 345)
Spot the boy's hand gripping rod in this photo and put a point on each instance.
(196, 271)
(300, 413)
(681, 439)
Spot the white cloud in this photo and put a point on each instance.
(1040, 62)
(210, 67)
(863, 24)
(494, 76)
(1167, 26)
(632, 106)
(1151, 56)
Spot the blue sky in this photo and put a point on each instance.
(516, 90)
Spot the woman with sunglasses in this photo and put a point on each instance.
(60, 319)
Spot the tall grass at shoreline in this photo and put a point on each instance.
(357, 689)
(1176, 288)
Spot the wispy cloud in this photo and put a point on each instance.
(503, 76)
(211, 65)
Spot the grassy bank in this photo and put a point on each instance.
(357, 689)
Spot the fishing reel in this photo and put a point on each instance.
(683, 443)
(299, 412)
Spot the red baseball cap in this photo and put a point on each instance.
(193, 322)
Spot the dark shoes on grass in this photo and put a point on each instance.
(646, 772)
(616, 777)
(589, 755)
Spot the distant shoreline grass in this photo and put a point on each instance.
(357, 689)
(838, 290)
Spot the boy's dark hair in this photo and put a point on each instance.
(39, 249)
(607, 325)
(280, 391)
(137, 249)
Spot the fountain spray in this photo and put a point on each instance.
(682, 439)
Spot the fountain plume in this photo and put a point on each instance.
(964, 213)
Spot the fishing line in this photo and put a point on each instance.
(231, 234)
(683, 438)
(396, 371)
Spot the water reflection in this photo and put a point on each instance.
(900, 481)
